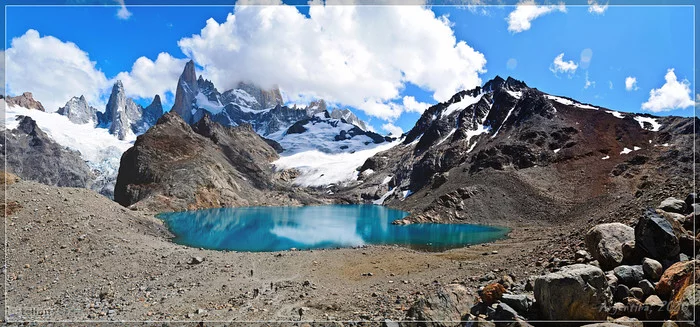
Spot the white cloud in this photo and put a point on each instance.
(337, 54)
(631, 83)
(595, 8)
(53, 70)
(561, 66)
(589, 83)
(672, 95)
(148, 78)
(123, 13)
(526, 11)
(410, 104)
(393, 129)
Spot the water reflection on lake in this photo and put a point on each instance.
(282, 228)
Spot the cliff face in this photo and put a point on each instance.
(33, 155)
(175, 166)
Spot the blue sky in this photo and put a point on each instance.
(642, 42)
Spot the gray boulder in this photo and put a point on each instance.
(520, 302)
(672, 204)
(629, 275)
(450, 303)
(604, 242)
(655, 237)
(576, 292)
(652, 268)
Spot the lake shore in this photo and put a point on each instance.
(75, 255)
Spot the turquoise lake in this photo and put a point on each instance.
(258, 229)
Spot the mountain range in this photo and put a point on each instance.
(499, 140)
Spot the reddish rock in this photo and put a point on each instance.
(492, 293)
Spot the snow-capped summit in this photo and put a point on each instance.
(349, 117)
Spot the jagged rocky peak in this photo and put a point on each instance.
(26, 100)
(79, 111)
(122, 116)
(187, 89)
(153, 111)
(349, 117)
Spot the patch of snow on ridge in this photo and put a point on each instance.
(617, 114)
(381, 200)
(625, 151)
(101, 151)
(636, 148)
(504, 121)
(557, 150)
(515, 94)
(406, 193)
(585, 106)
(568, 102)
(655, 126)
(387, 180)
(204, 103)
(563, 101)
(605, 158)
(319, 168)
(462, 104)
(446, 137)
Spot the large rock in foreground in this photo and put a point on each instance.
(447, 305)
(605, 243)
(655, 236)
(577, 292)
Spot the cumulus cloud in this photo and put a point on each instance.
(526, 11)
(53, 70)
(611, 84)
(631, 83)
(393, 129)
(410, 104)
(123, 13)
(595, 8)
(672, 95)
(337, 54)
(561, 66)
(148, 78)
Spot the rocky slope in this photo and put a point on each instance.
(506, 152)
(175, 166)
(31, 154)
(26, 100)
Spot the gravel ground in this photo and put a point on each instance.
(74, 255)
